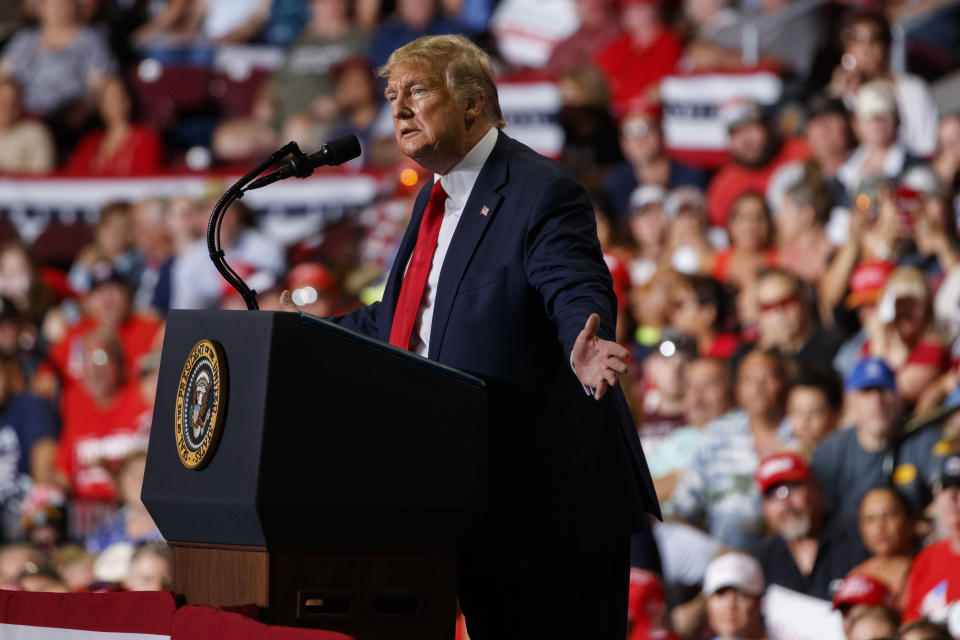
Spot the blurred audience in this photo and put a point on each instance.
(946, 161)
(663, 391)
(866, 37)
(716, 490)
(788, 44)
(923, 629)
(933, 586)
(645, 158)
(28, 443)
(873, 623)
(903, 336)
(856, 594)
(786, 320)
(805, 551)
(802, 244)
(195, 282)
(598, 26)
(854, 460)
(828, 134)
(59, 64)
(706, 396)
(103, 421)
(106, 305)
(822, 237)
(122, 147)
(733, 586)
(701, 309)
(751, 249)
(756, 152)
(886, 528)
(131, 523)
(26, 146)
(814, 405)
(635, 61)
(879, 154)
(151, 568)
(409, 20)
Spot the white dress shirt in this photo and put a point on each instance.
(458, 183)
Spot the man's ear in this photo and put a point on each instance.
(474, 106)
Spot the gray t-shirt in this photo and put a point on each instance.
(846, 472)
(52, 79)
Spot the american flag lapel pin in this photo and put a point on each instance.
(484, 210)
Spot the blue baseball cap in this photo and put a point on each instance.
(871, 373)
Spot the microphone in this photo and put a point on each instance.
(301, 165)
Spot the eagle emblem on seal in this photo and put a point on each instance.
(201, 404)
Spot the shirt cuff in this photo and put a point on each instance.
(590, 391)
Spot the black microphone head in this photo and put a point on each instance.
(341, 150)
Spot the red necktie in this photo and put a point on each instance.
(415, 279)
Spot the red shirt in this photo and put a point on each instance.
(933, 583)
(139, 154)
(734, 180)
(136, 334)
(928, 351)
(721, 263)
(722, 347)
(96, 439)
(631, 72)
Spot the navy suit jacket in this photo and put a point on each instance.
(523, 273)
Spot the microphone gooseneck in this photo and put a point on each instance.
(300, 165)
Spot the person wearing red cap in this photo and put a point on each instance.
(857, 593)
(866, 282)
(805, 552)
(646, 52)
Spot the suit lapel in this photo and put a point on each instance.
(392, 291)
(481, 207)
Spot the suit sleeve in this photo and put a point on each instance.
(563, 261)
(364, 320)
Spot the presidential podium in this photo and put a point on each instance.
(328, 478)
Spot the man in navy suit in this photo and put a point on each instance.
(513, 288)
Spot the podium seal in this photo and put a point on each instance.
(201, 404)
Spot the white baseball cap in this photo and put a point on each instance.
(734, 569)
(645, 195)
(876, 98)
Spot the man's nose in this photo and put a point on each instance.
(400, 109)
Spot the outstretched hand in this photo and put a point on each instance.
(597, 362)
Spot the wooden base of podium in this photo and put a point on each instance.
(393, 594)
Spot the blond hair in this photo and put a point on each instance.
(466, 69)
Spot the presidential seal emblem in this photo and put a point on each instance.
(201, 404)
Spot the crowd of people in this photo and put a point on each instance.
(792, 312)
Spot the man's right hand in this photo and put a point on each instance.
(286, 302)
